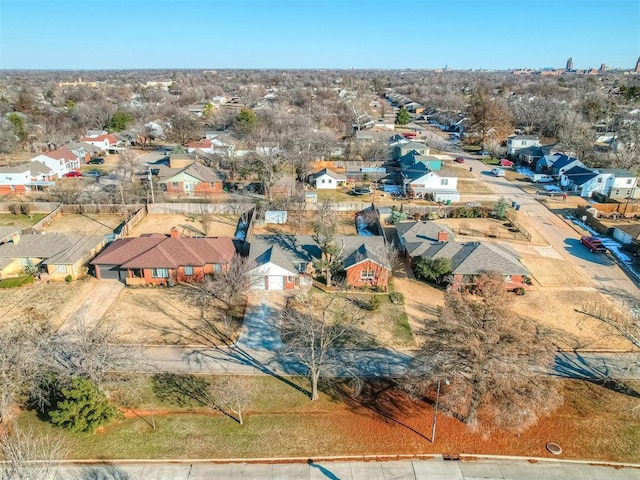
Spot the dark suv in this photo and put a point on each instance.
(96, 161)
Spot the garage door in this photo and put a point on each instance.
(258, 282)
(111, 272)
(276, 282)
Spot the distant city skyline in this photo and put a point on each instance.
(341, 34)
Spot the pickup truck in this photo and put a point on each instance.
(593, 244)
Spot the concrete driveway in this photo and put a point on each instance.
(95, 304)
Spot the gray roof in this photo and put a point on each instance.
(6, 232)
(39, 168)
(474, 258)
(331, 173)
(418, 235)
(16, 169)
(287, 251)
(55, 249)
(618, 172)
(195, 170)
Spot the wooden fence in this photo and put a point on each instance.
(48, 219)
(620, 209)
(98, 208)
(513, 218)
(199, 208)
(36, 207)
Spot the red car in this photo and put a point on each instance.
(72, 174)
(504, 162)
(459, 160)
(593, 244)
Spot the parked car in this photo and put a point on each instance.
(542, 178)
(484, 153)
(504, 162)
(459, 160)
(498, 172)
(92, 173)
(96, 161)
(72, 174)
(593, 244)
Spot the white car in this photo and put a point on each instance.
(498, 172)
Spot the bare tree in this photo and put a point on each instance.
(496, 363)
(182, 128)
(234, 394)
(325, 227)
(29, 455)
(490, 116)
(313, 325)
(622, 321)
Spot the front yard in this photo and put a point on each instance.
(594, 423)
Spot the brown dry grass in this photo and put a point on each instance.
(89, 224)
(553, 272)
(53, 301)
(301, 223)
(162, 316)
(473, 186)
(223, 225)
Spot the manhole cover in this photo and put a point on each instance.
(554, 448)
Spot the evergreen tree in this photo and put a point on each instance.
(83, 407)
(402, 117)
(501, 208)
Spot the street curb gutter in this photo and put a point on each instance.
(463, 457)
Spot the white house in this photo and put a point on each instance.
(23, 178)
(623, 183)
(441, 186)
(517, 142)
(102, 141)
(327, 179)
(60, 161)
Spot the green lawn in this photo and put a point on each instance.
(16, 281)
(10, 220)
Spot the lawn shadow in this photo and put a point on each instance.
(379, 396)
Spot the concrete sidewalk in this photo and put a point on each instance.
(429, 469)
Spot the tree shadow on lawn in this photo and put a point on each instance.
(380, 396)
(574, 365)
(218, 346)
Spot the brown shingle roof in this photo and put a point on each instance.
(167, 252)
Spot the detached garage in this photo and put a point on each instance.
(272, 277)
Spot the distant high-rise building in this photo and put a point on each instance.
(638, 65)
(570, 64)
(603, 68)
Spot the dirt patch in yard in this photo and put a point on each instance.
(86, 224)
(221, 225)
(163, 316)
(468, 229)
(53, 301)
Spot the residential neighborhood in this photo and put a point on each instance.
(244, 265)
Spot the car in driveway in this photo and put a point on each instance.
(484, 153)
(96, 161)
(459, 160)
(498, 172)
(92, 173)
(72, 174)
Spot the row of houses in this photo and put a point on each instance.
(42, 170)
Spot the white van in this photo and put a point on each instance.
(542, 178)
(498, 172)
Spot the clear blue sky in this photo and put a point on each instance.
(463, 34)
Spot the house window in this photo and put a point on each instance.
(629, 180)
(324, 181)
(617, 192)
(444, 181)
(188, 270)
(160, 273)
(217, 268)
(599, 180)
(367, 274)
(302, 267)
(212, 184)
(61, 269)
(330, 181)
(524, 142)
(175, 184)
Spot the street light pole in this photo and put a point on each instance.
(435, 411)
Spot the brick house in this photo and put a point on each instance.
(284, 262)
(195, 179)
(158, 259)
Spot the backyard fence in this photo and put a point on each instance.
(199, 208)
(36, 207)
(513, 219)
(48, 219)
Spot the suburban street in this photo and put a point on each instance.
(429, 469)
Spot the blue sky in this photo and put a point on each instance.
(463, 34)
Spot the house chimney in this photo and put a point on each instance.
(174, 233)
(443, 236)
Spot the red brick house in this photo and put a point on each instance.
(364, 268)
(158, 259)
(195, 179)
